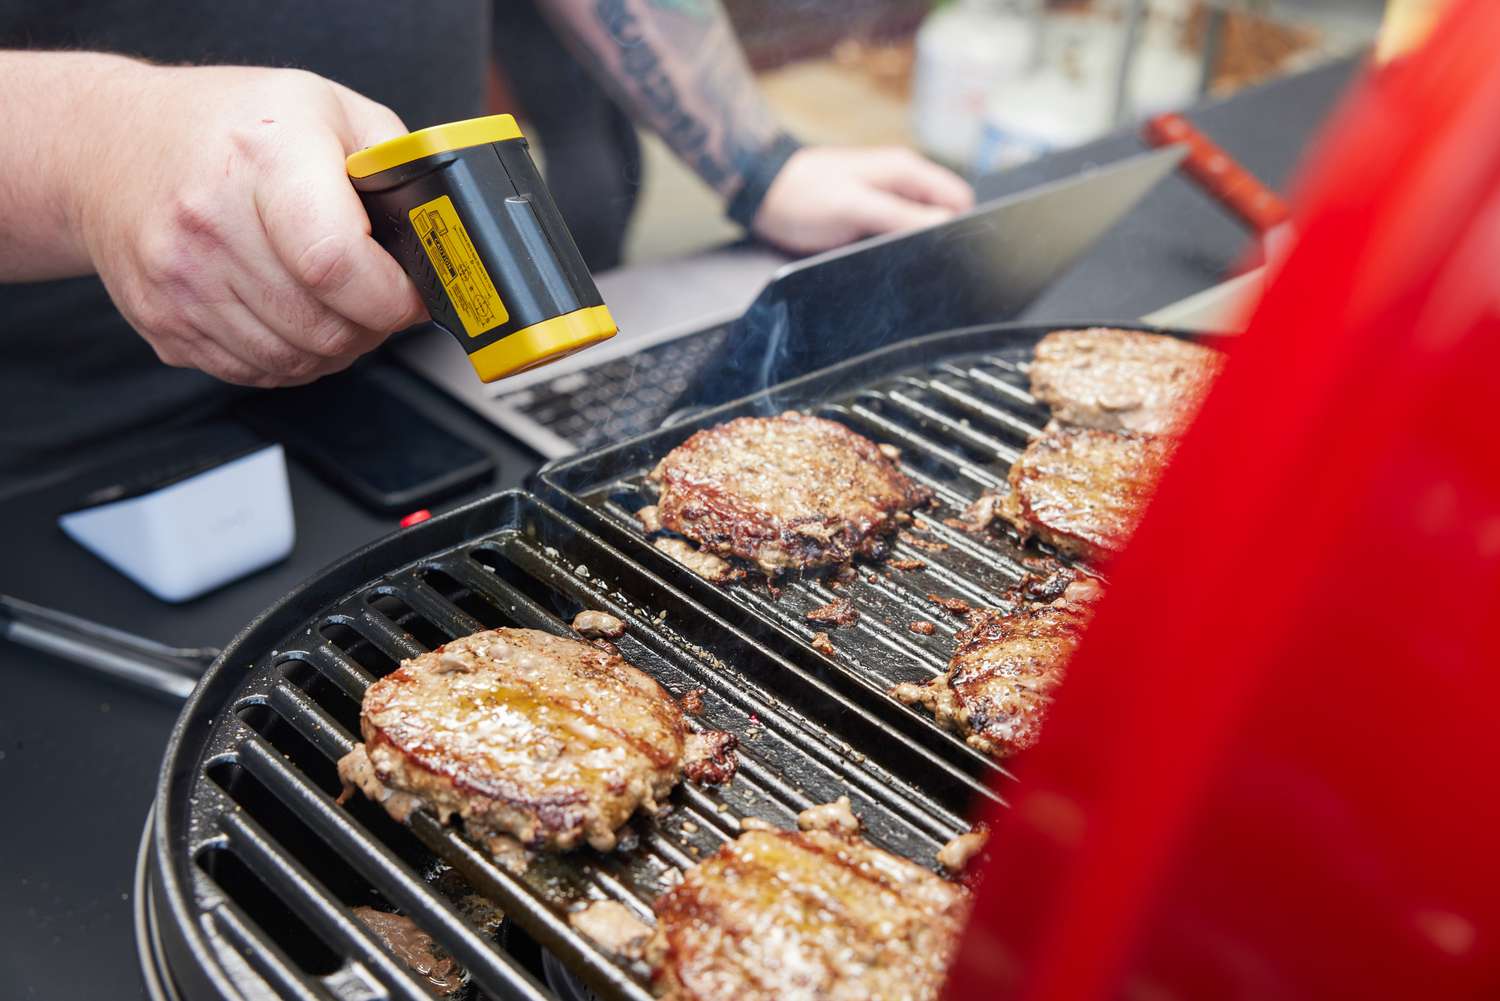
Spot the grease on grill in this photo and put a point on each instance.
(838, 612)
(928, 545)
(907, 564)
(1048, 588)
(692, 701)
(438, 971)
(956, 855)
(954, 606)
(598, 625)
(922, 627)
(979, 515)
(837, 816)
(613, 927)
(822, 644)
(709, 757)
(705, 565)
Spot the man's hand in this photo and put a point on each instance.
(825, 197)
(216, 208)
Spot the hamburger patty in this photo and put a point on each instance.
(1123, 380)
(1005, 669)
(1083, 490)
(788, 915)
(785, 493)
(526, 735)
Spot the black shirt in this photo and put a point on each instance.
(71, 369)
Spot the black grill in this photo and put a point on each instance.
(254, 869)
(258, 868)
(958, 406)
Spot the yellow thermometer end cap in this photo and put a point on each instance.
(543, 342)
(430, 142)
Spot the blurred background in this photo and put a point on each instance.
(986, 84)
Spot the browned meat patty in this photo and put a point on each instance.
(1123, 380)
(526, 735)
(786, 915)
(1004, 671)
(1083, 490)
(786, 493)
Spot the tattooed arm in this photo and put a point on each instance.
(676, 65)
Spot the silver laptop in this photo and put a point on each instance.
(718, 325)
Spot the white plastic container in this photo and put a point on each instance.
(965, 50)
(198, 533)
(1068, 98)
(1036, 115)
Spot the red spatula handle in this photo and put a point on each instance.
(1217, 173)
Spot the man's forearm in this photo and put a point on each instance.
(678, 68)
(52, 102)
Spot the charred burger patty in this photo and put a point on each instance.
(785, 493)
(1122, 380)
(1083, 490)
(1005, 668)
(792, 915)
(549, 741)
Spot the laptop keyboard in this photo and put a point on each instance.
(619, 398)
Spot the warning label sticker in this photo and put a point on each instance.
(458, 266)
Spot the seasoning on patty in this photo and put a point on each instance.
(785, 493)
(530, 738)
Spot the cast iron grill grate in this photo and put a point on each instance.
(958, 406)
(260, 869)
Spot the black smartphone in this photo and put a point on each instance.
(357, 433)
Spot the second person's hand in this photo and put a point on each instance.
(827, 196)
(217, 211)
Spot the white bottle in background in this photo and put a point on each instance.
(965, 50)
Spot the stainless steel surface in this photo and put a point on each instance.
(155, 666)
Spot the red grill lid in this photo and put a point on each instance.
(1272, 771)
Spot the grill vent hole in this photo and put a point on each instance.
(399, 612)
(269, 912)
(284, 737)
(294, 837)
(360, 650)
(329, 697)
(456, 593)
